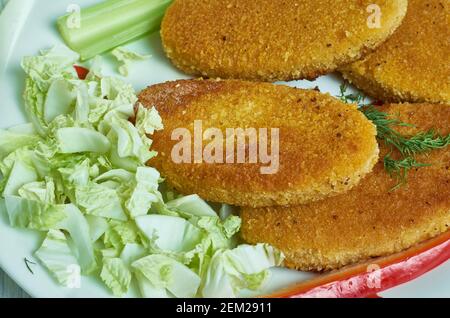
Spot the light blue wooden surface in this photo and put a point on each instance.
(9, 289)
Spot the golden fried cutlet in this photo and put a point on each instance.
(414, 64)
(325, 146)
(272, 40)
(369, 220)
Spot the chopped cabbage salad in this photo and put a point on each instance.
(77, 173)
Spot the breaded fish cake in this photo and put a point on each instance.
(414, 64)
(369, 220)
(273, 40)
(325, 146)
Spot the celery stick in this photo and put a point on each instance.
(111, 23)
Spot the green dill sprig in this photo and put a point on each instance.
(385, 126)
(423, 142)
(358, 99)
(400, 168)
(408, 146)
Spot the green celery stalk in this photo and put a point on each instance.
(110, 24)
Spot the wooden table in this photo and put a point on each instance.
(9, 289)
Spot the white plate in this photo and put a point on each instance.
(26, 26)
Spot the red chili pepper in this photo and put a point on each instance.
(386, 272)
(81, 71)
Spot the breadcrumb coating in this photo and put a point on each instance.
(414, 64)
(369, 220)
(274, 40)
(325, 146)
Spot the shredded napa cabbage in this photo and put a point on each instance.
(78, 173)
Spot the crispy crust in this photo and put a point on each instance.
(273, 40)
(368, 221)
(326, 146)
(412, 65)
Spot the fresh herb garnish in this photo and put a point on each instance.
(27, 264)
(400, 168)
(423, 142)
(350, 98)
(408, 146)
